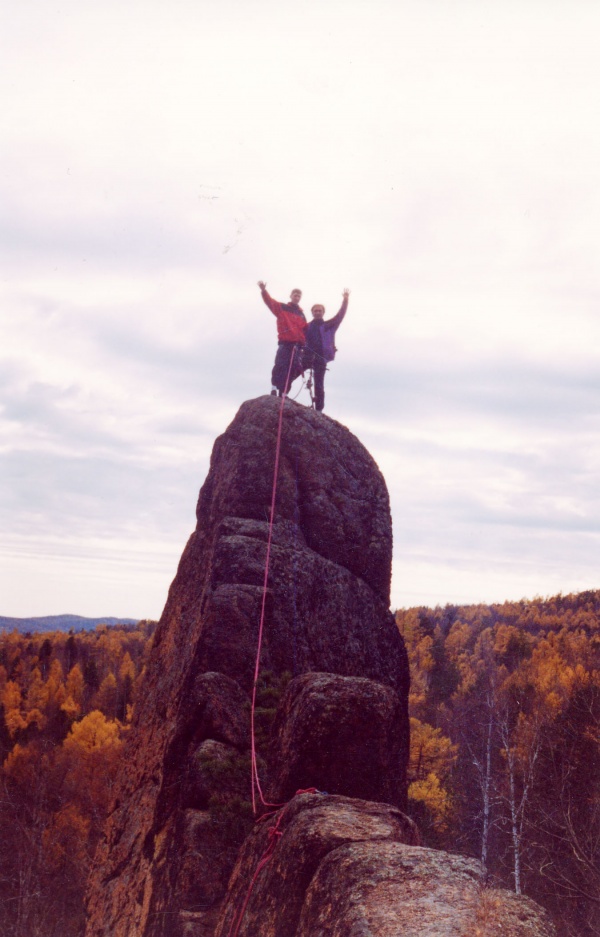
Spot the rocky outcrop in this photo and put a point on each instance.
(173, 836)
(343, 735)
(343, 866)
(345, 862)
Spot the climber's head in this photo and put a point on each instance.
(318, 311)
(296, 296)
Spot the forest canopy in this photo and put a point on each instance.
(505, 748)
(66, 704)
(504, 763)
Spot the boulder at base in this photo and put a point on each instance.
(342, 735)
(345, 867)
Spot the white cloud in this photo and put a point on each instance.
(442, 161)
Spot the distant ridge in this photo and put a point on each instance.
(60, 623)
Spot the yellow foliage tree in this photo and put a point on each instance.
(127, 668)
(95, 733)
(432, 756)
(430, 752)
(107, 697)
(37, 691)
(55, 684)
(12, 700)
(74, 690)
(90, 757)
(430, 794)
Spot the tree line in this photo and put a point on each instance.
(505, 748)
(504, 763)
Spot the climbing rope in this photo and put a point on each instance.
(274, 833)
(256, 788)
(302, 386)
(273, 837)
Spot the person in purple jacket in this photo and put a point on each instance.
(320, 348)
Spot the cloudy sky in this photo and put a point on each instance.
(442, 160)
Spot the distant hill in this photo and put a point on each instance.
(60, 623)
(538, 616)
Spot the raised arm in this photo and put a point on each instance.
(337, 319)
(272, 304)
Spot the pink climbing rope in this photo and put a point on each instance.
(273, 837)
(255, 778)
(275, 833)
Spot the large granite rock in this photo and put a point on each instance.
(171, 840)
(344, 867)
(343, 735)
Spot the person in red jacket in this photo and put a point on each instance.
(291, 326)
(320, 346)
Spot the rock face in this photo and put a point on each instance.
(340, 735)
(348, 867)
(171, 840)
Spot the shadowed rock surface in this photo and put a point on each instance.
(162, 867)
(348, 867)
(340, 735)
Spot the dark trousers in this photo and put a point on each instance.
(318, 369)
(281, 368)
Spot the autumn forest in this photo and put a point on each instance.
(505, 746)
(504, 766)
(66, 702)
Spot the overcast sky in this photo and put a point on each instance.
(442, 160)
